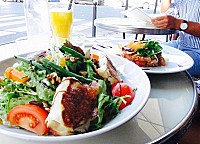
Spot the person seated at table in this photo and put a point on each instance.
(168, 7)
(183, 15)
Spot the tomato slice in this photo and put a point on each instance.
(29, 117)
(123, 89)
(140, 63)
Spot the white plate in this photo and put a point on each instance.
(176, 60)
(131, 74)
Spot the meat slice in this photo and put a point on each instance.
(107, 70)
(73, 107)
(78, 49)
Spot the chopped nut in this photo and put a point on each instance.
(54, 78)
(73, 59)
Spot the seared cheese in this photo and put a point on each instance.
(73, 107)
(54, 120)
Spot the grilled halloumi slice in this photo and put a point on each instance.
(73, 107)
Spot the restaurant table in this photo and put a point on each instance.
(164, 118)
(107, 24)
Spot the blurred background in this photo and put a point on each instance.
(13, 25)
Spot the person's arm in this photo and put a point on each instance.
(170, 22)
(165, 4)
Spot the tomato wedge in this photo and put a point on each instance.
(123, 89)
(29, 117)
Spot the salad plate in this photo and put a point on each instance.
(176, 60)
(135, 77)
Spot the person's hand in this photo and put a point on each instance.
(166, 22)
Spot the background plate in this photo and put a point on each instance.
(176, 60)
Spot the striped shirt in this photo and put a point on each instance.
(188, 10)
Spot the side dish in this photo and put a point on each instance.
(144, 54)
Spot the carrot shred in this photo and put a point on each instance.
(8, 72)
(95, 56)
(15, 75)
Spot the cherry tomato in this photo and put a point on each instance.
(29, 117)
(123, 89)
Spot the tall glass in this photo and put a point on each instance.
(37, 17)
(61, 19)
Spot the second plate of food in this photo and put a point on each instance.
(175, 59)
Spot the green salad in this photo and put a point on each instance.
(49, 84)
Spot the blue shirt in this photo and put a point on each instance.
(190, 11)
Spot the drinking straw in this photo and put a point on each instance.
(70, 4)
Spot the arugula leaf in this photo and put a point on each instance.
(150, 49)
(108, 107)
(90, 67)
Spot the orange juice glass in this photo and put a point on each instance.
(61, 19)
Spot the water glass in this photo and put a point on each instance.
(37, 17)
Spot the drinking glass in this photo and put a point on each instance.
(37, 17)
(75, 38)
(61, 18)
